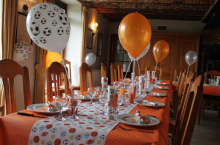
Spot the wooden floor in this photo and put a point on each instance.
(208, 132)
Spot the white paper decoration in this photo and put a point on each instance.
(22, 51)
(48, 26)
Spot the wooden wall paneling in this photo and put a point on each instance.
(179, 43)
(168, 64)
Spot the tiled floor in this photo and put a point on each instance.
(208, 132)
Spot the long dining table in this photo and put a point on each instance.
(15, 129)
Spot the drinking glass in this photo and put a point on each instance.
(90, 94)
(60, 104)
(103, 101)
(97, 91)
(210, 81)
(75, 101)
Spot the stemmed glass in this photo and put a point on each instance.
(103, 101)
(75, 101)
(97, 90)
(60, 104)
(210, 81)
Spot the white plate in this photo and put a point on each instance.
(166, 84)
(157, 94)
(144, 103)
(162, 88)
(152, 121)
(44, 109)
(87, 98)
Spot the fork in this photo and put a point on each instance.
(125, 129)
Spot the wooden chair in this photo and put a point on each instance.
(178, 94)
(158, 71)
(54, 73)
(173, 123)
(73, 87)
(190, 109)
(9, 70)
(120, 72)
(113, 73)
(84, 68)
(209, 98)
(175, 75)
(103, 70)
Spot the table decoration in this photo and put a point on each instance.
(141, 84)
(104, 83)
(112, 98)
(132, 95)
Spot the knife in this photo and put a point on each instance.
(27, 114)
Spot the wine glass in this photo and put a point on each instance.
(103, 101)
(60, 104)
(97, 91)
(75, 101)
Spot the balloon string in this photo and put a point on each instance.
(187, 72)
(128, 69)
(155, 68)
(138, 68)
(134, 66)
(67, 75)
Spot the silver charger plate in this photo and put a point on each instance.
(166, 84)
(151, 120)
(162, 88)
(144, 103)
(157, 94)
(45, 110)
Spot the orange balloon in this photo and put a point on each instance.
(134, 33)
(51, 57)
(160, 50)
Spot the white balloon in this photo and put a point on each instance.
(22, 51)
(142, 54)
(48, 26)
(90, 59)
(190, 57)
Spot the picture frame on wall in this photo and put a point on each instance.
(89, 39)
(21, 31)
(99, 44)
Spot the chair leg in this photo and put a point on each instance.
(203, 108)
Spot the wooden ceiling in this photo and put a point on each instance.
(189, 10)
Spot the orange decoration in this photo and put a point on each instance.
(51, 57)
(160, 50)
(134, 33)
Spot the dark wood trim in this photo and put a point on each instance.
(61, 4)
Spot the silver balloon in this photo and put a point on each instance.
(90, 59)
(191, 57)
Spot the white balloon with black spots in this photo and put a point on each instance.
(48, 26)
(22, 51)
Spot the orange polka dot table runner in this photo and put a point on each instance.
(15, 129)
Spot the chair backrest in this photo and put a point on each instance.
(212, 73)
(84, 68)
(191, 107)
(9, 70)
(190, 80)
(113, 73)
(2, 110)
(68, 66)
(103, 70)
(158, 71)
(175, 75)
(178, 93)
(54, 74)
(120, 72)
